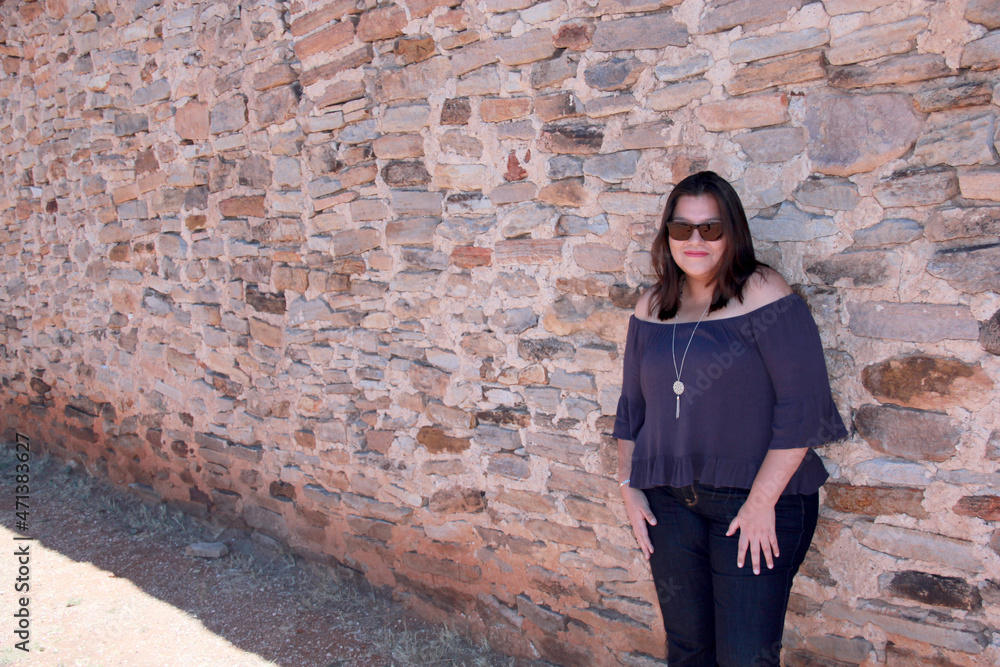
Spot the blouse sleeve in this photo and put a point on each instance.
(632, 404)
(804, 412)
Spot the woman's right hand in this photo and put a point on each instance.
(637, 507)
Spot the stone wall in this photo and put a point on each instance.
(358, 275)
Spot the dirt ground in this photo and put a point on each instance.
(112, 586)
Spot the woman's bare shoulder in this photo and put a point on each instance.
(643, 305)
(765, 286)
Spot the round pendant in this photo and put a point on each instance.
(678, 387)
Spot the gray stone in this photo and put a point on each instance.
(789, 223)
(303, 310)
(402, 173)
(690, 67)
(614, 74)
(127, 124)
(158, 90)
(895, 472)
(989, 338)
(888, 232)
(852, 651)
(917, 322)
(468, 203)
(514, 320)
(496, 438)
(562, 448)
(553, 72)
(915, 623)
(863, 268)
(527, 218)
(837, 194)
(465, 230)
(527, 48)
(573, 139)
(564, 166)
(908, 433)
(892, 72)
(411, 231)
(720, 15)
(652, 31)
(964, 142)
(229, 116)
(677, 95)
(984, 53)
(610, 105)
(875, 41)
(206, 550)
(544, 350)
(917, 187)
(360, 132)
(409, 118)
(934, 589)
(287, 172)
(778, 144)
(918, 545)
(849, 134)
(984, 12)
(459, 142)
(515, 284)
(255, 172)
(544, 399)
(612, 167)
(963, 222)
(572, 225)
(756, 48)
(955, 95)
(972, 269)
(576, 382)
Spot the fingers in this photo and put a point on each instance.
(642, 537)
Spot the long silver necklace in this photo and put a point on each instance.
(678, 385)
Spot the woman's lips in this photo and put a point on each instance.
(695, 253)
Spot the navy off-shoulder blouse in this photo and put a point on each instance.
(753, 383)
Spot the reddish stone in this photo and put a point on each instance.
(415, 48)
(279, 75)
(575, 35)
(984, 507)
(380, 441)
(565, 192)
(467, 257)
(326, 40)
(929, 383)
(457, 501)
(496, 110)
(436, 441)
(191, 121)
(515, 172)
(332, 69)
(382, 23)
(529, 251)
(239, 207)
(456, 111)
(320, 17)
(875, 500)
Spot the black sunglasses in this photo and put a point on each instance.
(681, 231)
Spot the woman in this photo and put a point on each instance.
(724, 393)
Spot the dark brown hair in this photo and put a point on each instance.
(737, 264)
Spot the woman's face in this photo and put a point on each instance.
(696, 257)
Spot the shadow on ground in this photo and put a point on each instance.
(111, 585)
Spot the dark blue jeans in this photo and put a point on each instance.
(714, 612)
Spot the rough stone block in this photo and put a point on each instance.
(612, 167)
(933, 589)
(398, 146)
(790, 223)
(553, 72)
(984, 53)
(381, 23)
(414, 82)
(980, 183)
(963, 222)
(928, 383)
(528, 251)
(984, 12)
(460, 176)
(530, 47)
(556, 106)
(652, 31)
(456, 111)
(229, 116)
(861, 268)
(719, 15)
(917, 322)
(614, 74)
(918, 545)
(335, 68)
(876, 41)
(327, 40)
(746, 112)
(678, 95)
(332, 11)
(127, 124)
(567, 192)
(917, 187)
(971, 269)
(801, 67)
(402, 173)
(957, 142)
(340, 92)
(498, 110)
(609, 106)
(573, 139)
(850, 134)
(599, 257)
(576, 35)
(894, 71)
(749, 49)
(875, 500)
(912, 434)
(773, 144)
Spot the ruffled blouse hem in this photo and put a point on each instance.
(721, 471)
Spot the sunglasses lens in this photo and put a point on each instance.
(680, 231)
(711, 232)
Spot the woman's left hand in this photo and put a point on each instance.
(755, 521)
